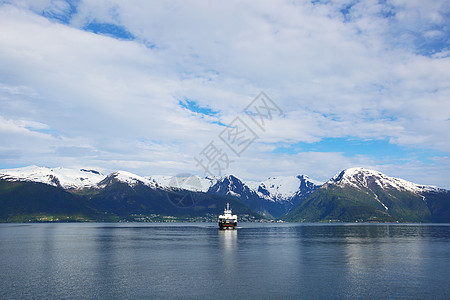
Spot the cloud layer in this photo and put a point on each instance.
(102, 84)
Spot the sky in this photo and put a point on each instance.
(251, 88)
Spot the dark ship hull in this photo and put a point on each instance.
(227, 224)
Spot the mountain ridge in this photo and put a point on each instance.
(272, 197)
(359, 194)
(352, 195)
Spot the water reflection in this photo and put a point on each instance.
(48, 261)
(105, 260)
(228, 239)
(384, 255)
(368, 258)
(228, 244)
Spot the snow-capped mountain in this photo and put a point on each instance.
(35, 194)
(284, 188)
(365, 178)
(280, 188)
(63, 177)
(359, 194)
(231, 185)
(275, 189)
(72, 178)
(274, 196)
(355, 194)
(127, 178)
(188, 182)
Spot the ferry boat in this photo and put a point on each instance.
(227, 220)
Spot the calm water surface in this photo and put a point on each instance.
(257, 261)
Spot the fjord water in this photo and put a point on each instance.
(257, 261)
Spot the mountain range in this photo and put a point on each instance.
(353, 195)
(358, 194)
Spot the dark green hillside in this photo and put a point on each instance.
(405, 206)
(439, 205)
(115, 200)
(347, 204)
(337, 204)
(24, 201)
(124, 200)
(121, 199)
(37, 202)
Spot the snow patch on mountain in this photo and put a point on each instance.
(378, 199)
(64, 177)
(274, 189)
(279, 188)
(230, 185)
(233, 186)
(184, 181)
(131, 179)
(365, 178)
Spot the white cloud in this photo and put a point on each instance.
(357, 75)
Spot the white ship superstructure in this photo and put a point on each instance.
(227, 220)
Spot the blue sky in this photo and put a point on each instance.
(145, 86)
